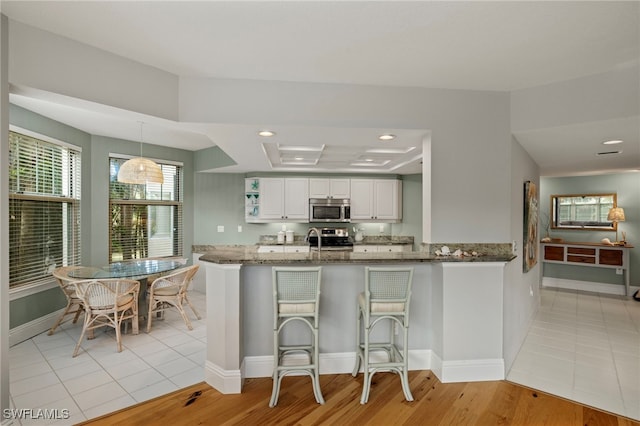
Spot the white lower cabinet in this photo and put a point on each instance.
(389, 248)
(283, 249)
(296, 249)
(271, 249)
(365, 249)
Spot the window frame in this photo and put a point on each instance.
(70, 179)
(175, 203)
(581, 225)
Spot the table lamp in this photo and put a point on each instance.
(616, 214)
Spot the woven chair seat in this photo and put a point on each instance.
(167, 291)
(296, 308)
(378, 307)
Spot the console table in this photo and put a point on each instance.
(589, 254)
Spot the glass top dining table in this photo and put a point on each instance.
(133, 269)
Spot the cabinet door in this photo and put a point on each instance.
(296, 249)
(271, 249)
(296, 199)
(361, 199)
(271, 198)
(396, 248)
(329, 188)
(319, 188)
(386, 199)
(340, 188)
(365, 249)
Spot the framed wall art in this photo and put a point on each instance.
(530, 227)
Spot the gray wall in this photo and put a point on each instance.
(627, 186)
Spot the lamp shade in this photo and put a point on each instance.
(140, 171)
(616, 214)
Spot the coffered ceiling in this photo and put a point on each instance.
(477, 45)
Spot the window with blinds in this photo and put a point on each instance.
(145, 220)
(44, 208)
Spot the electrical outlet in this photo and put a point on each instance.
(220, 228)
(514, 247)
(239, 228)
(381, 227)
(619, 271)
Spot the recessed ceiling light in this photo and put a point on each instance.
(386, 137)
(611, 142)
(266, 133)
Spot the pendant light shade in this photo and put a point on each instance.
(140, 170)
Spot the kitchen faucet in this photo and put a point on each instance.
(318, 234)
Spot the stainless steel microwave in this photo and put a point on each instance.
(329, 210)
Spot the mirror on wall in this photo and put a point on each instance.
(582, 211)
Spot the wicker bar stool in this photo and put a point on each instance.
(386, 297)
(296, 299)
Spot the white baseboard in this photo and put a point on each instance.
(477, 370)
(224, 381)
(33, 328)
(605, 288)
(330, 363)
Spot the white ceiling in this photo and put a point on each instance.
(437, 44)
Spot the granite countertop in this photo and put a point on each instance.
(248, 255)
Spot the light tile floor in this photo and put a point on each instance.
(43, 375)
(584, 347)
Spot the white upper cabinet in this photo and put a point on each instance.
(284, 199)
(329, 188)
(376, 200)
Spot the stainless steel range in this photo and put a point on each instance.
(332, 239)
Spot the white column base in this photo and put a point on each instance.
(224, 381)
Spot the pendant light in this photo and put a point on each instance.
(140, 170)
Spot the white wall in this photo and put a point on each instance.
(521, 290)
(4, 215)
(599, 97)
(43, 61)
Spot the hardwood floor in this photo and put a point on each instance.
(473, 403)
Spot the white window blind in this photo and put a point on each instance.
(44, 208)
(145, 220)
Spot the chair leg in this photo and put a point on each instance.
(78, 312)
(85, 324)
(315, 378)
(197, 314)
(152, 305)
(404, 377)
(366, 380)
(184, 315)
(60, 318)
(275, 391)
(356, 369)
(118, 321)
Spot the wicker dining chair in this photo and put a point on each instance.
(108, 302)
(74, 303)
(170, 291)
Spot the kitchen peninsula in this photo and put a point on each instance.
(456, 325)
